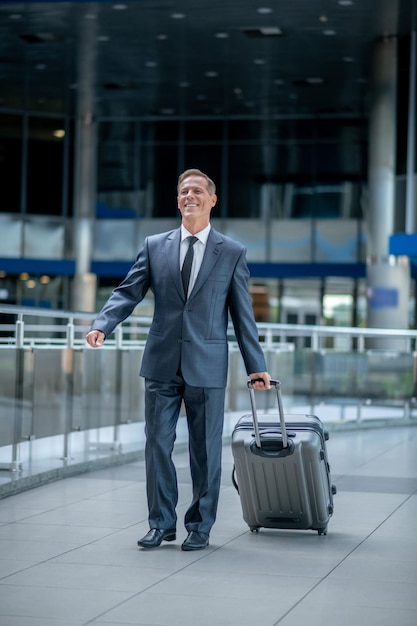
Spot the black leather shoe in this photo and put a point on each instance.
(156, 536)
(195, 541)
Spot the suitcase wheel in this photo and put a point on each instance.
(322, 531)
(334, 489)
(254, 529)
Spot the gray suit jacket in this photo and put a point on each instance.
(189, 334)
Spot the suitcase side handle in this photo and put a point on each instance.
(277, 385)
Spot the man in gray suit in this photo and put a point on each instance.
(186, 353)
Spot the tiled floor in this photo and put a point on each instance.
(68, 554)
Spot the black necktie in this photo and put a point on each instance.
(188, 261)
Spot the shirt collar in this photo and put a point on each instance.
(202, 235)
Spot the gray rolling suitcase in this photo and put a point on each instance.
(281, 470)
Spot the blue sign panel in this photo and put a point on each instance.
(383, 297)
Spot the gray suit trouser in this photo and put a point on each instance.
(205, 417)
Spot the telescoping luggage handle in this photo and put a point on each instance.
(277, 385)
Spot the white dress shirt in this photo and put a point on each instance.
(199, 249)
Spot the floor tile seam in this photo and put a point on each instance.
(52, 509)
(20, 571)
(27, 525)
(334, 568)
(52, 558)
(339, 478)
(389, 448)
(387, 492)
(110, 531)
(74, 549)
(154, 584)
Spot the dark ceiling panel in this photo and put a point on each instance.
(196, 57)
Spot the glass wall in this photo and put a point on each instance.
(268, 171)
(263, 168)
(44, 170)
(11, 152)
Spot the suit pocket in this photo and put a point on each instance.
(217, 317)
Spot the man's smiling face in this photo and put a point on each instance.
(195, 202)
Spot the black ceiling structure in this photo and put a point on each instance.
(196, 58)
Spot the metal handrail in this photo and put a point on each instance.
(269, 332)
(300, 352)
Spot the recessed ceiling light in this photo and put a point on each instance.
(162, 37)
(119, 7)
(90, 16)
(211, 74)
(269, 31)
(345, 3)
(184, 84)
(264, 10)
(259, 61)
(315, 80)
(201, 97)
(15, 16)
(237, 90)
(329, 32)
(221, 35)
(323, 18)
(279, 81)
(151, 64)
(40, 66)
(348, 59)
(177, 16)
(59, 133)
(103, 38)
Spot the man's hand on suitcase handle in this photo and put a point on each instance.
(260, 380)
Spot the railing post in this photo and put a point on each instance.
(70, 333)
(118, 389)
(68, 359)
(16, 464)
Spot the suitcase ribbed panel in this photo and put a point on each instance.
(291, 491)
(279, 493)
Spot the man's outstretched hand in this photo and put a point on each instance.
(95, 338)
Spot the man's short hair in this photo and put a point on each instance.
(195, 172)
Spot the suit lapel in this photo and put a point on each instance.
(211, 256)
(172, 247)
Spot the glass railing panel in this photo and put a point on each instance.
(8, 405)
(48, 382)
(132, 387)
(99, 388)
(390, 376)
